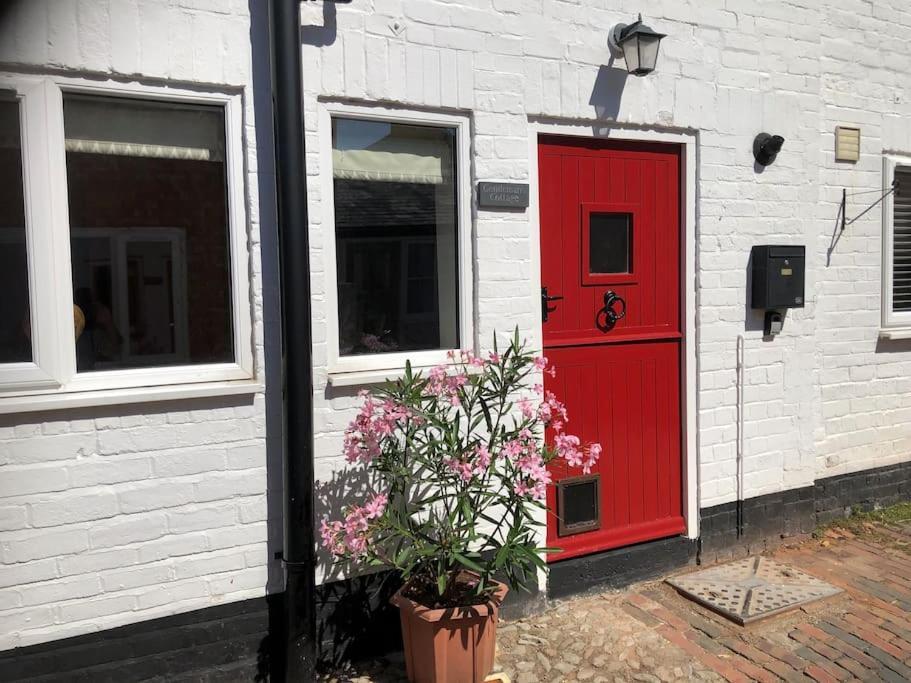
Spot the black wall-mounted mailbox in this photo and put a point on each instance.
(778, 276)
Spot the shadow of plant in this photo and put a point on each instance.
(354, 617)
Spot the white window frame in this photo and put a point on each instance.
(43, 205)
(895, 325)
(53, 381)
(367, 368)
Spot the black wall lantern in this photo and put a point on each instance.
(638, 44)
(766, 147)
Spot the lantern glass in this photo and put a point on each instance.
(648, 52)
(631, 53)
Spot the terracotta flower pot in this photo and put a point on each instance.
(449, 645)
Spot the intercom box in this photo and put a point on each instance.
(778, 276)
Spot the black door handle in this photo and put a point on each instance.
(545, 300)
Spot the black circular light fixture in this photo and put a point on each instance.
(766, 147)
(638, 44)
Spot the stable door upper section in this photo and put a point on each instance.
(610, 240)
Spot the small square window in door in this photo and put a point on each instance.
(609, 243)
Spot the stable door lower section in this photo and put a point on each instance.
(625, 397)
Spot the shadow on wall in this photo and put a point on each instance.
(321, 36)
(354, 616)
(893, 345)
(355, 619)
(837, 232)
(608, 91)
(271, 654)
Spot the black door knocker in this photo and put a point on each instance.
(608, 316)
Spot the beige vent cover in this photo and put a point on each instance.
(847, 143)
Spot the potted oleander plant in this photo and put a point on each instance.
(458, 470)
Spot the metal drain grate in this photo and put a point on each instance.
(747, 590)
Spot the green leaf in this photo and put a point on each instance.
(441, 584)
(501, 557)
(466, 562)
(466, 510)
(486, 410)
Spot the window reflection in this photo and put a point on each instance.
(15, 318)
(395, 229)
(149, 232)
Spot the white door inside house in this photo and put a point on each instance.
(132, 282)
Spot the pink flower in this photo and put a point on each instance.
(468, 358)
(494, 358)
(552, 412)
(328, 533)
(357, 545)
(534, 475)
(482, 456)
(374, 422)
(444, 386)
(521, 488)
(594, 453)
(540, 362)
(462, 468)
(376, 506)
(525, 406)
(351, 536)
(512, 449)
(475, 464)
(567, 447)
(342, 538)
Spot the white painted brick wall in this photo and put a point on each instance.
(106, 519)
(111, 516)
(865, 387)
(820, 399)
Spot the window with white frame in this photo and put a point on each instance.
(897, 243)
(399, 239)
(123, 256)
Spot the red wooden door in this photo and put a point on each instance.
(610, 223)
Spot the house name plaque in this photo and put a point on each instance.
(503, 195)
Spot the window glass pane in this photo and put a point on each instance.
(395, 231)
(901, 244)
(149, 232)
(609, 243)
(15, 319)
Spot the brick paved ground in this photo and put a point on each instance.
(649, 633)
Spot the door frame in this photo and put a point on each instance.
(687, 143)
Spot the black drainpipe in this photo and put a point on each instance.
(297, 374)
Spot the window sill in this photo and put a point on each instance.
(354, 378)
(895, 333)
(88, 399)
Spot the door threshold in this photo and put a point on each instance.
(620, 567)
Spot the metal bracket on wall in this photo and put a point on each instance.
(844, 203)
